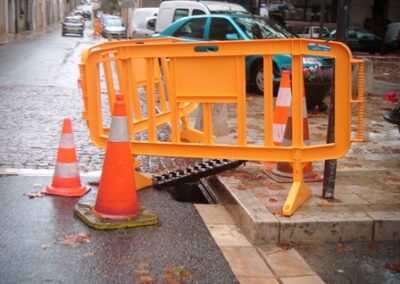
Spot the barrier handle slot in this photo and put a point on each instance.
(206, 48)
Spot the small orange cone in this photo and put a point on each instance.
(284, 171)
(116, 203)
(66, 179)
(282, 108)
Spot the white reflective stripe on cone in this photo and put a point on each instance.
(67, 141)
(284, 97)
(279, 132)
(66, 170)
(119, 129)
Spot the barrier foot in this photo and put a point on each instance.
(136, 163)
(192, 135)
(298, 194)
(85, 213)
(142, 180)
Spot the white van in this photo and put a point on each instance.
(139, 16)
(170, 11)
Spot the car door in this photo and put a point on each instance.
(192, 30)
(222, 29)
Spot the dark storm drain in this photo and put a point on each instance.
(193, 192)
(188, 185)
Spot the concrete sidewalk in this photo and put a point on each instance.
(367, 193)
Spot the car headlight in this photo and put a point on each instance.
(311, 61)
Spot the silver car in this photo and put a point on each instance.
(73, 25)
(113, 27)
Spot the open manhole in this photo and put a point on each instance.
(193, 192)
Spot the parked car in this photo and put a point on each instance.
(73, 25)
(143, 22)
(113, 27)
(146, 28)
(392, 37)
(171, 11)
(84, 10)
(241, 27)
(361, 40)
(314, 32)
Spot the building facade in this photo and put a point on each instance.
(17, 16)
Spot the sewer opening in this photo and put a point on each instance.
(193, 192)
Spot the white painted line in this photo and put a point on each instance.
(41, 172)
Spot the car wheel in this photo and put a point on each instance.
(257, 77)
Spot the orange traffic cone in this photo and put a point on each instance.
(117, 196)
(283, 172)
(117, 203)
(66, 179)
(282, 108)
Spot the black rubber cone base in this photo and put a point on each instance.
(84, 212)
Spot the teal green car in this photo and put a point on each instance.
(241, 27)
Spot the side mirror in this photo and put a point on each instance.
(231, 36)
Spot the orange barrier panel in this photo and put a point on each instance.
(207, 73)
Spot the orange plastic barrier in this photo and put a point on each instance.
(207, 73)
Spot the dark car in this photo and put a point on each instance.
(361, 40)
(73, 25)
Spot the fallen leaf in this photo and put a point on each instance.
(74, 240)
(178, 275)
(45, 246)
(393, 266)
(341, 248)
(88, 254)
(373, 246)
(94, 182)
(32, 195)
(324, 203)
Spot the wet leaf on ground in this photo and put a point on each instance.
(35, 194)
(45, 246)
(393, 266)
(94, 182)
(178, 275)
(74, 240)
(342, 248)
(373, 246)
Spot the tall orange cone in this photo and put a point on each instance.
(116, 203)
(117, 196)
(66, 179)
(284, 171)
(282, 108)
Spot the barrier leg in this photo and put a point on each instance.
(142, 180)
(298, 193)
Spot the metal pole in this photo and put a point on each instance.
(328, 187)
(321, 18)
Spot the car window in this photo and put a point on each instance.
(220, 28)
(72, 20)
(198, 12)
(180, 13)
(113, 23)
(256, 29)
(192, 29)
(151, 24)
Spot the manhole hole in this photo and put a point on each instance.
(193, 192)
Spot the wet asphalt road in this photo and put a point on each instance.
(38, 89)
(33, 230)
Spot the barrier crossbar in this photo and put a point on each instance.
(178, 76)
